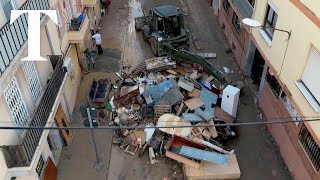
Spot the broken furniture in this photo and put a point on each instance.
(99, 92)
(173, 148)
(159, 64)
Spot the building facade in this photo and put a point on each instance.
(40, 93)
(288, 74)
(231, 12)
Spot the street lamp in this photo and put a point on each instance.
(256, 24)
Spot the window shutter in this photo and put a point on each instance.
(311, 73)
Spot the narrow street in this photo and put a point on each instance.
(256, 151)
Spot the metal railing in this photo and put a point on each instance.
(13, 37)
(21, 155)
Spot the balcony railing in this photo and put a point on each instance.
(76, 23)
(22, 154)
(13, 37)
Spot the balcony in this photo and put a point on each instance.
(89, 3)
(21, 155)
(76, 31)
(244, 9)
(14, 36)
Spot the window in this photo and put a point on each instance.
(40, 166)
(226, 6)
(33, 81)
(16, 104)
(273, 84)
(309, 84)
(310, 146)
(292, 111)
(270, 21)
(7, 6)
(236, 22)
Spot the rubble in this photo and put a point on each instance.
(161, 94)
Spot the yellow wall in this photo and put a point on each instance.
(304, 34)
(313, 5)
(73, 80)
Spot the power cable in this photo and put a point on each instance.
(148, 127)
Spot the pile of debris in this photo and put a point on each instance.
(159, 96)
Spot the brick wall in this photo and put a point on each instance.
(286, 136)
(236, 41)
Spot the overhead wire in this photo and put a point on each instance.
(168, 126)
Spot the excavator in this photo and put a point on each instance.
(164, 29)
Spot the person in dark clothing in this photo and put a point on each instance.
(89, 59)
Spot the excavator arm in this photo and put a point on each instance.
(181, 54)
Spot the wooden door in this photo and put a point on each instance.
(51, 171)
(62, 121)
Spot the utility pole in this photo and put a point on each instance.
(92, 134)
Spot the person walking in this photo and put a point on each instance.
(97, 39)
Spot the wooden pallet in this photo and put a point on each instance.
(160, 110)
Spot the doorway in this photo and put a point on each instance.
(257, 67)
(62, 121)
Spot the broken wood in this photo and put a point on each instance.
(194, 93)
(222, 115)
(180, 109)
(193, 103)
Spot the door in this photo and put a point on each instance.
(62, 121)
(51, 171)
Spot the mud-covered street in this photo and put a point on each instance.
(124, 48)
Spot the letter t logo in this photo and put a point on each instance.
(34, 30)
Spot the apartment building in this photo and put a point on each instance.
(40, 93)
(231, 12)
(285, 61)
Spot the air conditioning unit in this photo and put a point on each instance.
(67, 65)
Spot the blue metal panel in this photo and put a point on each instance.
(191, 117)
(199, 154)
(208, 98)
(156, 92)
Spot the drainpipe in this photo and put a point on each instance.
(263, 80)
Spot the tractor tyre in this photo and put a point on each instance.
(146, 32)
(154, 46)
(144, 36)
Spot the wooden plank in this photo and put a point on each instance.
(209, 79)
(172, 72)
(193, 103)
(182, 159)
(194, 93)
(180, 70)
(222, 115)
(180, 109)
(62, 121)
(212, 129)
(213, 171)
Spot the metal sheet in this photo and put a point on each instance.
(191, 117)
(199, 154)
(208, 98)
(172, 97)
(156, 92)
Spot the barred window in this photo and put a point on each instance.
(33, 81)
(226, 6)
(16, 104)
(236, 22)
(310, 146)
